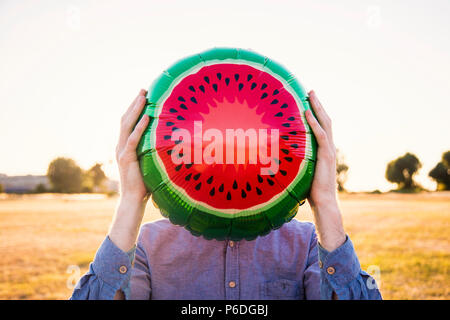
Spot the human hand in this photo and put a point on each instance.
(133, 194)
(322, 198)
(131, 183)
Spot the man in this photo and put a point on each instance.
(169, 263)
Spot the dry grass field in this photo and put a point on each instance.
(44, 238)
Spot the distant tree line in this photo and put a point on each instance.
(66, 176)
(402, 171)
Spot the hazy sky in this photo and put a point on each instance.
(69, 69)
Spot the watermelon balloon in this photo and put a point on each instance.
(228, 153)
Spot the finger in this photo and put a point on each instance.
(142, 92)
(322, 116)
(135, 136)
(129, 121)
(319, 132)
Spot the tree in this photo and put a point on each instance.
(402, 170)
(65, 175)
(95, 177)
(441, 172)
(341, 171)
(40, 188)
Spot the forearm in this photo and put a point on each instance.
(124, 229)
(328, 221)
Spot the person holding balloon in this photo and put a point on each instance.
(161, 260)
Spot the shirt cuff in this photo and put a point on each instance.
(341, 265)
(113, 265)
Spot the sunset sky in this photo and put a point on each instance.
(69, 69)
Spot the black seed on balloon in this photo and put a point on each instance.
(274, 101)
(221, 188)
(167, 137)
(236, 76)
(248, 187)
(178, 141)
(291, 118)
(264, 95)
(270, 181)
(212, 192)
(177, 168)
(210, 180)
(243, 194)
(188, 177)
(193, 100)
(215, 87)
(279, 114)
(183, 106)
(206, 79)
(288, 159)
(235, 184)
(277, 161)
(283, 172)
(202, 88)
(275, 92)
(189, 165)
(198, 186)
(169, 123)
(249, 77)
(180, 118)
(260, 179)
(228, 196)
(263, 86)
(173, 110)
(169, 152)
(287, 125)
(258, 191)
(192, 88)
(285, 151)
(294, 133)
(227, 80)
(180, 98)
(294, 145)
(196, 176)
(175, 128)
(285, 137)
(284, 106)
(240, 86)
(219, 76)
(253, 86)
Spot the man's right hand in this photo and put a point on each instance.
(133, 194)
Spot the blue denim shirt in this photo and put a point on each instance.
(169, 263)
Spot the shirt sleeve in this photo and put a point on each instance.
(340, 272)
(109, 272)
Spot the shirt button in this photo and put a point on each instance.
(232, 284)
(123, 269)
(330, 270)
(231, 244)
(320, 264)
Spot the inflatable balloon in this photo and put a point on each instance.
(228, 153)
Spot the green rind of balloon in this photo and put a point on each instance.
(195, 220)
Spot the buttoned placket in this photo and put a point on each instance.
(232, 271)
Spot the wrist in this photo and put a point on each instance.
(127, 220)
(328, 220)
